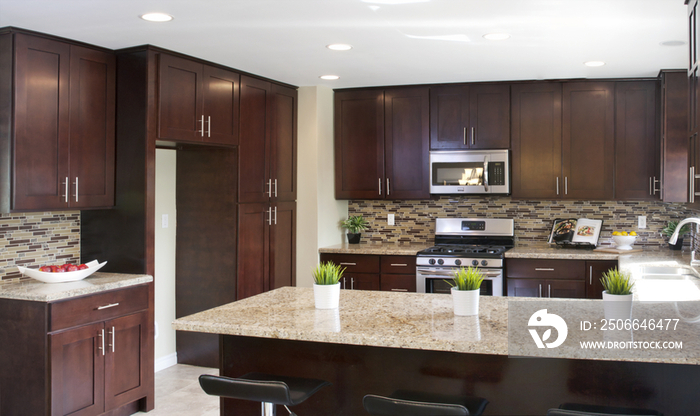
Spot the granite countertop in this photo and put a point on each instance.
(425, 322)
(391, 249)
(35, 290)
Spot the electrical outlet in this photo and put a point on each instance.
(164, 221)
(642, 221)
(390, 219)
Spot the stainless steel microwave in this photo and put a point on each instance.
(470, 172)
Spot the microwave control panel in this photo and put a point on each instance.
(497, 173)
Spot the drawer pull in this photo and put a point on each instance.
(101, 334)
(399, 265)
(544, 269)
(348, 264)
(399, 290)
(111, 305)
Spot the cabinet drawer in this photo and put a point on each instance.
(354, 263)
(398, 264)
(545, 269)
(398, 282)
(99, 307)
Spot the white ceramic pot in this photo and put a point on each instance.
(617, 306)
(327, 296)
(465, 302)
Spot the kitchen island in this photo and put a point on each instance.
(378, 342)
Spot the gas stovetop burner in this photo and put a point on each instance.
(463, 250)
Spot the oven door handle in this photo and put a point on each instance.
(447, 273)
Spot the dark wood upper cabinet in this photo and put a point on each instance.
(197, 102)
(254, 144)
(693, 104)
(588, 140)
(382, 143)
(475, 116)
(674, 135)
(536, 139)
(64, 118)
(637, 158)
(406, 144)
(359, 144)
(283, 149)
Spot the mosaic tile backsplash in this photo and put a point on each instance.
(414, 220)
(36, 239)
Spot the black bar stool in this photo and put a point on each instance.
(576, 409)
(410, 403)
(267, 389)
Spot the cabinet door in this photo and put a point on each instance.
(557, 288)
(536, 140)
(449, 118)
(588, 140)
(674, 136)
(253, 249)
(92, 112)
(406, 141)
(594, 272)
(42, 102)
(254, 144)
(220, 105)
(694, 102)
(180, 99)
(636, 142)
(125, 359)
(284, 143)
(398, 282)
(360, 281)
(489, 113)
(283, 245)
(525, 287)
(359, 144)
(77, 371)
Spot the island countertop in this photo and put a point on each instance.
(398, 320)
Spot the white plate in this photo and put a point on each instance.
(48, 277)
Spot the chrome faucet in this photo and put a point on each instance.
(674, 237)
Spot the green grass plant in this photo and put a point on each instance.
(616, 282)
(467, 279)
(355, 224)
(328, 273)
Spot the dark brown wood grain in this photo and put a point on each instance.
(220, 105)
(693, 99)
(674, 135)
(283, 245)
(398, 282)
(206, 241)
(283, 143)
(254, 142)
(545, 268)
(449, 117)
(354, 263)
(180, 99)
(127, 364)
(253, 249)
(594, 271)
(489, 116)
(6, 83)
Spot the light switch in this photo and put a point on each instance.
(390, 219)
(164, 221)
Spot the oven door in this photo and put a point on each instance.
(469, 172)
(433, 280)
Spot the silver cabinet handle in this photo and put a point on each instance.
(388, 189)
(76, 188)
(399, 290)
(473, 136)
(275, 216)
(348, 264)
(465, 136)
(540, 289)
(269, 188)
(590, 276)
(275, 188)
(650, 185)
(112, 334)
(550, 290)
(544, 269)
(343, 283)
(208, 126)
(111, 305)
(557, 185)
(102, 341)
(380, 186)
(65, 195)
(399, 265)
(352, 283)
(201, 131)
(566, 185)
(691, 185)
(269, 216)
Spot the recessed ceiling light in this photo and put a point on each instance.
(496, 36)
(594, 63)
(673, 43)
(339, 47)
(157, 17)
(329, 77)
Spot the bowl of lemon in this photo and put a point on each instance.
(624, 240)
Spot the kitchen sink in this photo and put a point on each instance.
(667, 273)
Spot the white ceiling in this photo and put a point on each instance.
(285, 39)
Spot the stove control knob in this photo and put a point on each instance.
(431, 261)
(475, 262)
(441, 262)
(458, 262)
(484, 263)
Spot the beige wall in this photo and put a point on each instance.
(165, 258)
(318, 213)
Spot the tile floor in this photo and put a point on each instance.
(178, 393)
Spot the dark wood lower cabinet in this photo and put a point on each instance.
(398, 282)
(360, 281)
(541, 278)
(595, 270)
(373, 272)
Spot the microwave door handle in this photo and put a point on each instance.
(486, 173)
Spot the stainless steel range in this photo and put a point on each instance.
(462, 242)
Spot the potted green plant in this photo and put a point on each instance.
(327, 285)
(466, 286)
(617, 296)
(668, 232)
(355, 225)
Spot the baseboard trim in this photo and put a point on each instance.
(164, 362)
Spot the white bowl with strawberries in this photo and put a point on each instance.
(62, 273)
